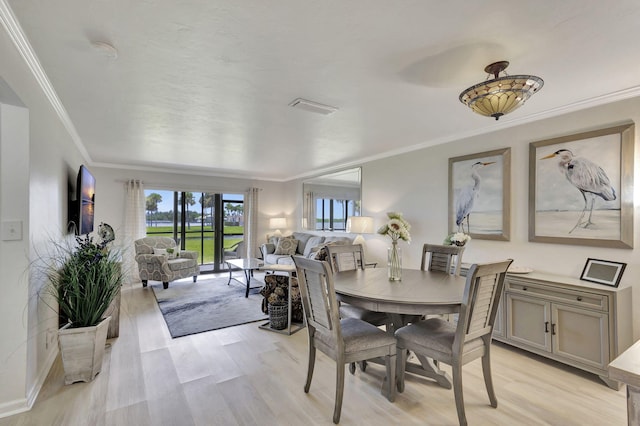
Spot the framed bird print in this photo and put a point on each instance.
(581, 188)
(479, 194)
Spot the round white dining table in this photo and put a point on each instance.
(418, 293)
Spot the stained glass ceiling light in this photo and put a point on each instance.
(501, 95)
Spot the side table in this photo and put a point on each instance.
(291, 328)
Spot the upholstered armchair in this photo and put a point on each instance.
(157, 264)
(236, 251)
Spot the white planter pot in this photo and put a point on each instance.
(82, 350)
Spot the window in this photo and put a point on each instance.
(329, 199)
(208, 223)
(331, 214)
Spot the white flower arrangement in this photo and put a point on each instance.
(397, 227)
(457, 238)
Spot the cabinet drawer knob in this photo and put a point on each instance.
(546, 326)
(579, 298)
(524, 289)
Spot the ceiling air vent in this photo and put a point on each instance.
(311, 106)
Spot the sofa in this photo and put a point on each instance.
(279, 250)
(157, 264)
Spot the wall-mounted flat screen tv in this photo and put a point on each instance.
(85, 200)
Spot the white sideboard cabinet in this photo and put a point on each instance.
(571, 321)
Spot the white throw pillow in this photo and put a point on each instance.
(160, 251)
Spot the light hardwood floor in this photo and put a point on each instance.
(247, 376)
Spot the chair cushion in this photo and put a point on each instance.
(358, 335)
(372, 317)
(180, 263)
(286, 246)
(434, 334)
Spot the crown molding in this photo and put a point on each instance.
(21, 42)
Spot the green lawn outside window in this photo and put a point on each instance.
(193, 238)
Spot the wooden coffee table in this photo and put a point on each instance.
(248, 265)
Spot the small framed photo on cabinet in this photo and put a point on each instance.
(603, 272)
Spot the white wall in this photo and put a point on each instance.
(14, 253)
(37, 163)
(416, 184)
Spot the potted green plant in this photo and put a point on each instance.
(84, 280)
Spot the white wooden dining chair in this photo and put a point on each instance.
(348, 258)
(344, 340)
(459, 344)
(442, 258)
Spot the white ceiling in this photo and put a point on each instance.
(204, 85)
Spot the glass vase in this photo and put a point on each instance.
(395, 262)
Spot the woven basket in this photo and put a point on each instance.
(278, 314)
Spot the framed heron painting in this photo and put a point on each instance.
(479, 194)
(581, 188)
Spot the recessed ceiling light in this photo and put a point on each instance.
(105, 48)
(312, 106)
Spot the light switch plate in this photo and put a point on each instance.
(12, 230)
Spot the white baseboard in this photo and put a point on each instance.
(25, 404)
(37, 386)
(14, 407)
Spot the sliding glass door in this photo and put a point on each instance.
(207, 223)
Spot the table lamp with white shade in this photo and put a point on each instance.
(277, 223)
(359, 225)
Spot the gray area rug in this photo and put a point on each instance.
(209, 304)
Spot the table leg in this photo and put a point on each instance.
(289, 302)
(427, 366)
(247, 275)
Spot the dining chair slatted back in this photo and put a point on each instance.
(442, 258)
(480, 301)
(345, 340)
(316, 294)
(346, 257)
(459, 344)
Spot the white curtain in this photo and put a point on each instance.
(251, 222)
(310, 211)
(135, 226)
